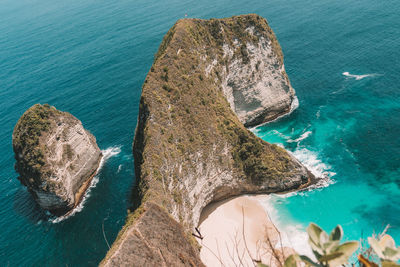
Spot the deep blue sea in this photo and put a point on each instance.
(90, 58)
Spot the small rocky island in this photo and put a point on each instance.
(55, 157)
(209, 79)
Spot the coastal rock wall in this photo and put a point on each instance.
(257, 88)
(55, 157)
(191, 147)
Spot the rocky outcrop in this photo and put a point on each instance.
(55, 157)
(155, 239)
(257, 87)
(191, 147)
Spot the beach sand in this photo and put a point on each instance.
(231, 241)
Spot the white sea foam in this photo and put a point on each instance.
(293, 235)
(320, 170)
(107, 153)
(295, 104)
(359, 77)
(302, 137)
(281, 135)
(310, 160)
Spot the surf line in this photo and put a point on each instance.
(107, 153)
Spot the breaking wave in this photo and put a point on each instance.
(359, 77)
(318, 168)
(107, 153)
(292, 234)
(302, 137)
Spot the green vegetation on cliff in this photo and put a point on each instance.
(29, 128)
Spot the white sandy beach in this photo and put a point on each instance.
(231, 241)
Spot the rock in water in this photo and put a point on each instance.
(55, 157)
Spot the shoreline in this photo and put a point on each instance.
(239, 231)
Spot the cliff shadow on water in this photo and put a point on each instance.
(209, 79)
(25, 204)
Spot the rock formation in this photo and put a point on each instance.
(55, 157)
(191, 148)
(255, 83)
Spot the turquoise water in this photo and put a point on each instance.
(91, 57)
(347, 126)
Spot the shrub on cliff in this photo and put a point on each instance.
(30, 127)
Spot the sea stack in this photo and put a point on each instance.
(209, 79)
(55, 157)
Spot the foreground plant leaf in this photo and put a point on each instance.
(309, 262)
(292, 261)
(336, 233)
(346, 249)
(389, 264)
(314, 232)
(385, 248)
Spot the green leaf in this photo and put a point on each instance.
(314, 232)
(387, 242)
(389, 264)
(347, 249)
(330, 246)
(391, 254)
(261, 265)
(330, 257)
(336, 233)
(317, 255)
(376, 246)
(309, 262)
(317, 250)
(323, 238)
(292, 260)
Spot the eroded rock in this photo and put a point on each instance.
(55, 157)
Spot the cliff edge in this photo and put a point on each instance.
(55, 157)
(191, 148)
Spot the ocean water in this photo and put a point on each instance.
(91, 57)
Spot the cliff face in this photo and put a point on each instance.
(191, 147)
(55, 157)
(256, 85)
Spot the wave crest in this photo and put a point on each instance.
(316, 166)
(302, 137)
(293, 234)
(359, 77)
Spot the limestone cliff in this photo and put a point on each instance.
(255, 83)
(55, 157)
(191, 147)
